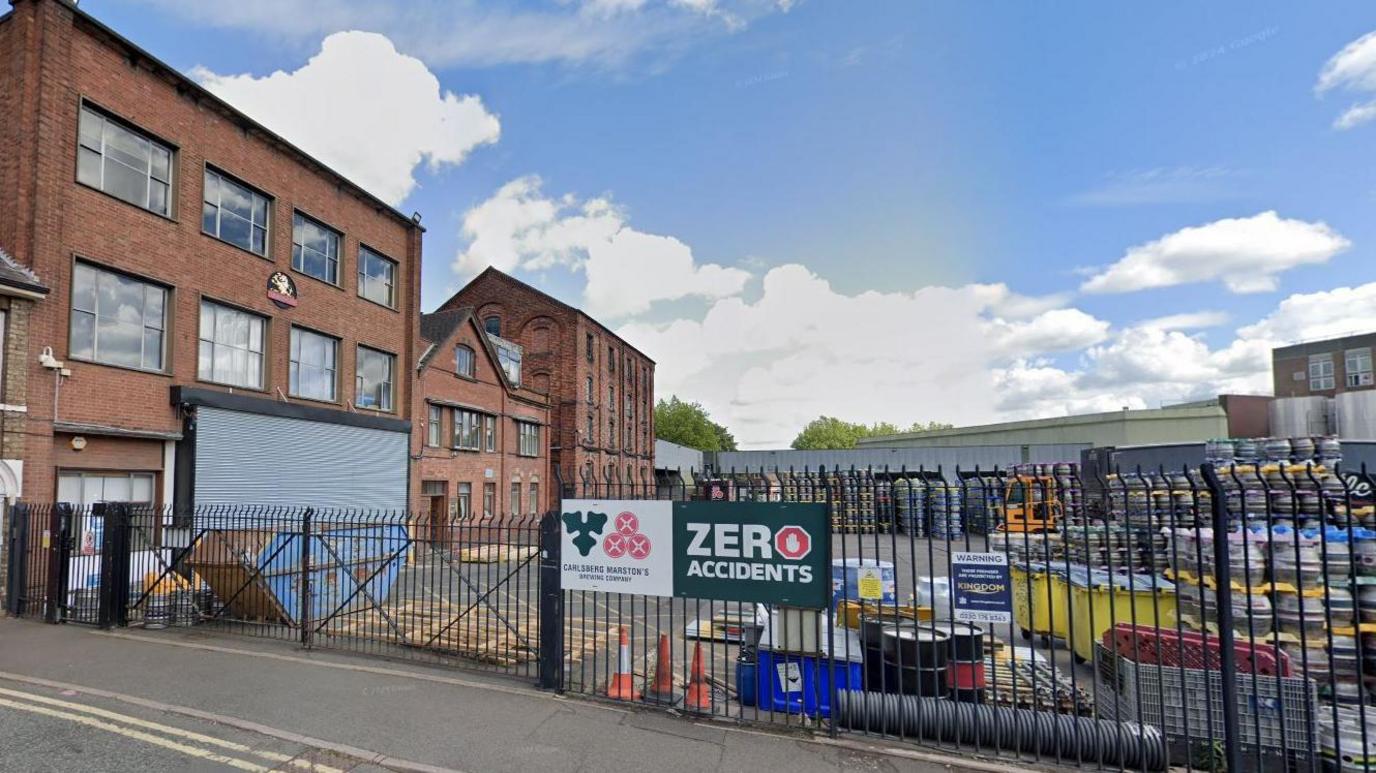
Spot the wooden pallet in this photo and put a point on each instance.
(479, 635)
(495, 554)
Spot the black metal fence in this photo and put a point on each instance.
(1220, 618)
(1137, 638)
(390, 583)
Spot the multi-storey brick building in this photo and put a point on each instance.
(601, 388)
(1325, 368)
(481, 439)
(228, 319)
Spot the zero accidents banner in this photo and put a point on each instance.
(767, 552)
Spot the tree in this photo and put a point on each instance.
(689, 425)
(829, 433)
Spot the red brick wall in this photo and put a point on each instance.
(484, 392)
(73, 220)
(560, 352)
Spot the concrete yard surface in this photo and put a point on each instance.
(73, 697)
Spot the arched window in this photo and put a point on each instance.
(463, 361)
(493, 325)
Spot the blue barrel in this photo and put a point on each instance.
(845, 580)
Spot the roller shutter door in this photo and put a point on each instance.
(248, 458)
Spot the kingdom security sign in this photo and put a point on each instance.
(731, 551)
(982, 590)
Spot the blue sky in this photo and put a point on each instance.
(670, 163)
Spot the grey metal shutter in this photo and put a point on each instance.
(248, 458)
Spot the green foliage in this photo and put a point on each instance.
(830, 433)
(689, 425)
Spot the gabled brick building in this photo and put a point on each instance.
(481, 437)
(601, 389)
(228, 318)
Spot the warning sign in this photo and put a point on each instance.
(982, 590)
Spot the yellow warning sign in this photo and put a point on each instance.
(871, 587)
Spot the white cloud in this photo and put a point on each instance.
(1356, 115)
(478, 33)
(1352, 69)
(1057, 330)
(1244, 253)
(421, 123)
(627, 270)
(1187, 321)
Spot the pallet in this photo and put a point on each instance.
(495, 554)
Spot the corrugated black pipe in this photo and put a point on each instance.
(1063, 736)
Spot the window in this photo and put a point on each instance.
(434, 426)
(490, 433)
(515, 503)
(124, 163)
(611, 360)
(376, 277)
(590, 434)
(432, 488)
(1358, 367)
(1321, 372)
(591, 344)
(611, 433)
(534, 497)
(493, 325)
(231, 346)
(374, 379)
(464, 500)
(463, 361)
(528, 438)
(314, 249)
(88, 488)
(117, 320)
(234, 213)
(630, 474)
(489, 499)
(589, 388)
(313, 368)
(611, 399)
(467, 430)
(509, 358)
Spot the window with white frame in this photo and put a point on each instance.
(1321, 372)
(434, 427)
(313, 365)
(509, 358)
(116, 319)
(375, 379)
(124, 163)
(235, 213)
(463, 361)
(490, 433)
(376, 277)
(467, 430)
(89, 488)
(1357, 365)
(314, 249)
(527, 438)
(535, 497)
(463, 503)
(515, 498)
(231, 346)
(489, 499)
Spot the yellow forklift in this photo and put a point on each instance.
(1031, 504)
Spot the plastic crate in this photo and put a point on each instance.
(1274, 713)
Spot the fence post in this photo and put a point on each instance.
(104, 513)
(119, 562)
(1223, 602)
(551, 605)
(59, 565)
(305, 585)
(17, 547)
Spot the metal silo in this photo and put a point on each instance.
(1299, 417)
(1354, 415)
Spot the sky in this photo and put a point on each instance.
(883, 210)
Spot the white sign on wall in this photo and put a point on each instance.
(618, 546)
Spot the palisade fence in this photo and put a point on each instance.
(1215, 618)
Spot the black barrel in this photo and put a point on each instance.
(872, 641)
(915, 660)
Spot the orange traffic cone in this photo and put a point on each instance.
(622, 684)
(699, 694)
(661, 690)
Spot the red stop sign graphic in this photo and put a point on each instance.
(792, 542)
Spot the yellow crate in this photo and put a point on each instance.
(1040, 600)
(1097, 607)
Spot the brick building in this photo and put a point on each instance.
(481, 439)
(1324, 368)
(228, 319)
(601, 389)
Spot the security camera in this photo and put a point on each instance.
(47, 360)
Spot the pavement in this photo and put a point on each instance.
(74, 698)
